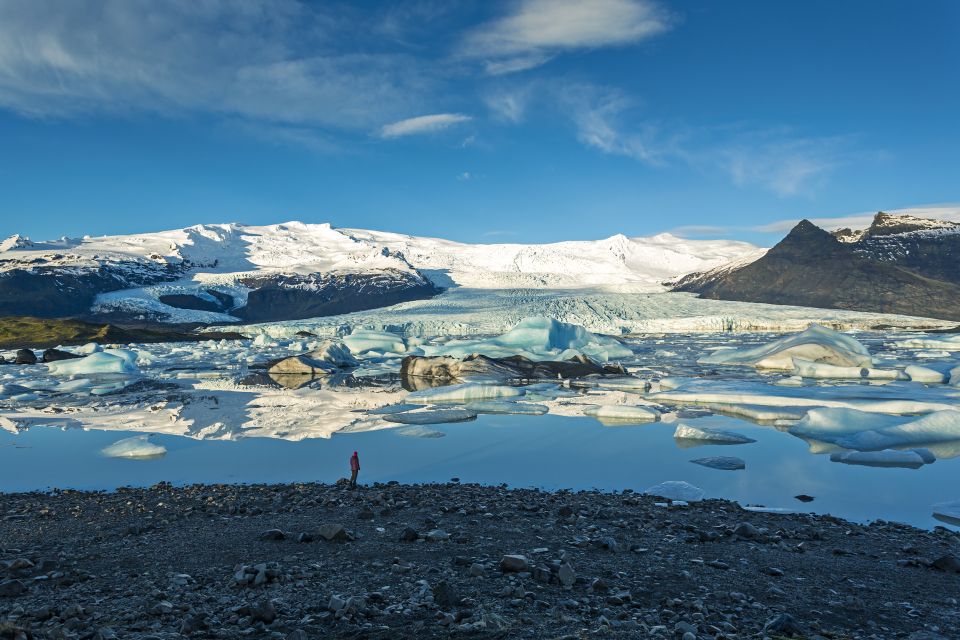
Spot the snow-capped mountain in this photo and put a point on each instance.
(232, 272)
(900, 264)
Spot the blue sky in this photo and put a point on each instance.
(518, 120)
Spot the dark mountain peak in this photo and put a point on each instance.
(806, 240)
(888, 224)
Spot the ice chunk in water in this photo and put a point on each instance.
(709, 436)
(463, 393)
(90, 347)
(107, 361)
(864, 431)
(723, 463)
(943, 342)
(948, 512)
(418, 431)
(364, 340)
(622, 384)
(620, 413)
(504, 406)
(437, 416)
(927, 375)
(816, 344)
(538, 339)
(885, 458)
(819, 370)
(676, 490)
(137, 447)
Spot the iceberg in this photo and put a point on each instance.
(106, 361)
(864, 431)
(816, 344)
(364, 340)
(884, 458)
(676, 490)
(328, 358)
(436, 416)
(926, 375)
(504, 406)
(948, 512)
(943, 342)
(709, 436)
(723, 463)
(464, 393)
(136, 447)
(820, 370)
(87, 349)
(622, 414)
(538, 339)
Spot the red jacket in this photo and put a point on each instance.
(354, 463)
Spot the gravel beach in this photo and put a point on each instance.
(301, 561)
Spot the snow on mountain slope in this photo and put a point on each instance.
(642, 263)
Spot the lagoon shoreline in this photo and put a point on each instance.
(434, 560)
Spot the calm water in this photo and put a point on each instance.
(548, 451)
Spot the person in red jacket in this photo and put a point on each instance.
(354, 469)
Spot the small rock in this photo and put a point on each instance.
(26, 356)
(948, 563)
(782, 624)
(436, 535)
(11, 588)
(365, 514)
(746, 530)
(409, 535)
(263, 611)
(333, 532)
(272, 534)
(514, 563)
(566, 575)
(445, 595)
(804, 498)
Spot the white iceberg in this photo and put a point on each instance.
(87, 349)
(709, 436)
(621, 413)
(365, 341)
(884, 458)
(437, 416)
(676, 490)
(538, 339)
(106, 361)
(723, 463)
(865, 431)
(507, 407)
(823, 371)
(816, 344)
(464, 393)
(927, 375)
(136, 447)
(942, 342)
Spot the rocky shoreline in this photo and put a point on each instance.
(301, 561)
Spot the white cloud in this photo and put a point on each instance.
(422, 124)
(539, 29)
(277, 61)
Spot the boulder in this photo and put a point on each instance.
(328, 358)
(26, 356)
(514, 563)
(52, 355)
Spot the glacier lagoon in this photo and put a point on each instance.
(213, 415)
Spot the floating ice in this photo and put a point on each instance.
(90, 347)
(106, 361)
(948, 512)
(885, 458)
(820, 370)
(723, 463)
(364, 340)
(622, 384)
(816, 344)
(137, 447)
(676, 490)
(437, 416)
(863, 431)
(504, 406)
(943, 342)
(927, 375)
(418, 431)
(620, 413)
(463, 393)
(538, 339)
(709, 436)
(393, 408)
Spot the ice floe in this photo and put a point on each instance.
(464, 393)
(538, 339)
(820, 370)
(418, 431)
(948, 512)
(926, 374)
(723, 463)
(816, 344)
(709, 436)
(506, 407)
(864, 431)
(676, 490)
(943, 342)
(436, 416)
(621, 414)
(107, 361)
(136, 447)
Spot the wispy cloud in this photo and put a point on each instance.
(537, 30)
(422, 124)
